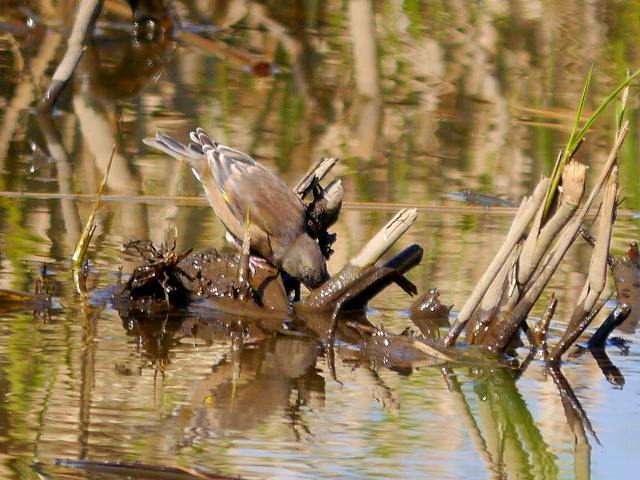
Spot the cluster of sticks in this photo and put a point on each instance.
(535, 245)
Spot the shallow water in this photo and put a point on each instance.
(418, 100)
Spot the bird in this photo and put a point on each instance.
(240, 190)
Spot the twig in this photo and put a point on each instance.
(82, 246)
(243, 263)
(542, 327)
(587, 237)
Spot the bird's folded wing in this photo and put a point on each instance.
(247, 186)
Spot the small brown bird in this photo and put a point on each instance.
(235, 184)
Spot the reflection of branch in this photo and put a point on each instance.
(576, 416)
(612, 373)
(65, 177)
(99, 137)
(383, 393)
(362, 25)
(143, 470)
(87, 376)
(86, 15)
(18, 59)
(25, 91)
(462, 407)
(577, 420)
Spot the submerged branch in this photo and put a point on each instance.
(615, 318)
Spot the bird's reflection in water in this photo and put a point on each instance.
(263, 374)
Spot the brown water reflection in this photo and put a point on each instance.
(419, 99)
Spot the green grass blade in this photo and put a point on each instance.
(594, 116)
(575, 139)
(576, 123)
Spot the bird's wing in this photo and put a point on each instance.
(248, 186)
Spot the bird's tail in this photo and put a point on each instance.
(192, 153)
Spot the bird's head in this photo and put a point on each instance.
(305, 261)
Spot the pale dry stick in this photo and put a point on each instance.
(622, 106)
(538, 241)
(547, 267)
(587, 237)
(488, 309)
(528, 209)
(325, 296)
(385, 238)
(86, 15)
(529, 246)
(432, 349)
(314, 175)
(243, 263)
(597, 277)
(329, 204)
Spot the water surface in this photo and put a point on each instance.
(418, 99)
